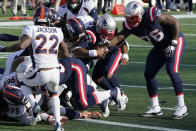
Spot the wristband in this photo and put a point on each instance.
(174, 43)
(92, 53)
(125, 56)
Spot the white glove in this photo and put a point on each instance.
(169, 51)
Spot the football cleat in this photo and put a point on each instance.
(105, 109)
(125, 98)
(35, 110)
(90, 115)
(116, 96)
(153, 111)
(63, 120)
(58, 127)
(180, 112)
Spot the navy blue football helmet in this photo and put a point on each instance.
(13, 95)
(74, 5)
(42, 15)
(74, 29)
(54, 16)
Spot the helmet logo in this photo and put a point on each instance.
(105, 22)
(135, 6)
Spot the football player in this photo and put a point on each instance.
(75, 8)
(109, 59)
(19, 108)
(163, 32)
(45, 42)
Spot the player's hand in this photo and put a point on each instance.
(169, 51)
(2, 48)
(104, 42)
(101, 52)
(125, 59)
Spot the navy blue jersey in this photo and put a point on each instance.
(150, 30)
(65, 70)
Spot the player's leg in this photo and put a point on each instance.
(155, 60)
(51, 79)
(98, 76)
(104, 70)
(172, 66)
(79, 84)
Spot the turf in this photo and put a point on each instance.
(132, 79)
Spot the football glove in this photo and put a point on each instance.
(169, 51)
(2, 48)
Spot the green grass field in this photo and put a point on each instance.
(132, 82)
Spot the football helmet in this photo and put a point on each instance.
(74, 5)
(54, 16)
(133, 13)
(13, 95)
(74, 30)
(106, 26)
(42, 15)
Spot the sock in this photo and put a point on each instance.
(154, 101)
(55, 104)
(114, 82)
(28, 94)
(180, 100)
(102, 95)
(105, 84)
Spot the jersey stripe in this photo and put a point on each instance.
(178, 54)
(81, 84)
(151, 14)
(116, 62)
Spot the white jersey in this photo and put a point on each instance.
(45, 43)
(9, 61)
(16, 111)
(10, 80)
(86, 7)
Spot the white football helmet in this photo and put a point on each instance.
(133, 13)
(106, 26)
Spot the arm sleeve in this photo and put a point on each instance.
(8, 37)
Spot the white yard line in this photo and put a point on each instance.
(150, 46)
(6, 54)
(131, 125)
(161, 88)
(188, 65)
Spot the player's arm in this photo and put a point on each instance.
(84, 53)
(8, 37)
(119, 37)
(63, 50)
(171, 23)
(125, 55)
(22, 44)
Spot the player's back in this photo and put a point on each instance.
(45, 43)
